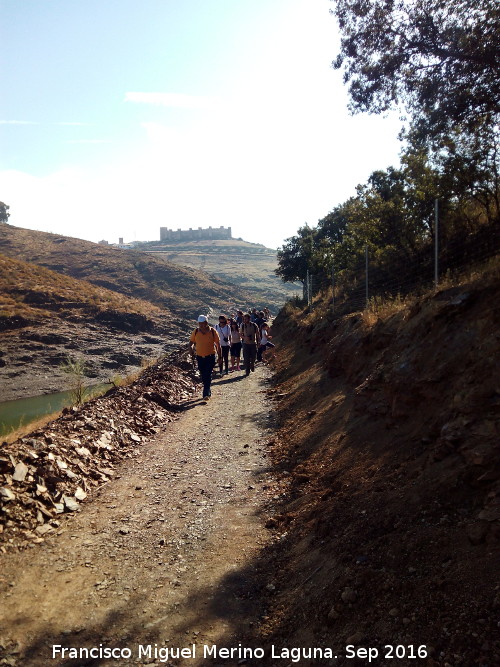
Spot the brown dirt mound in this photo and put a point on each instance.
(389, 451)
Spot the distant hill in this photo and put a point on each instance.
(115, 309)
(249, 265)
(133, 273)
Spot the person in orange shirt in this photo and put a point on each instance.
(205, 343)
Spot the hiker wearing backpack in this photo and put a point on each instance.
(205, 343)
(251, 339)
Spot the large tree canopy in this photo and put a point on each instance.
(439, 61)
(438, 58)
(295, 256)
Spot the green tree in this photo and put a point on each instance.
(423, 185)
(333, 226)
(471, 165)
(295, 257)
(439, 58)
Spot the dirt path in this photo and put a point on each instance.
(165, 557)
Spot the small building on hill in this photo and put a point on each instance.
(200, 234)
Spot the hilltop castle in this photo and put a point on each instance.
(212, 233)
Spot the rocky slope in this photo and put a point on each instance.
(53, 469)
(388, 451)
(162, 549)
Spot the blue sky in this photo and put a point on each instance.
(119, 116)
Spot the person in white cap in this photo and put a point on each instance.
(205, 343)
(224, 332)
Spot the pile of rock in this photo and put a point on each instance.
(51, 471)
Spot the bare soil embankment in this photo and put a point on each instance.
(383, 524)
(389, 450)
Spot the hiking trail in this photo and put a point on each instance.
(165, 553)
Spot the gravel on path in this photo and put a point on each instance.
(165, 558)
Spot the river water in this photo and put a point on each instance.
(23, 411)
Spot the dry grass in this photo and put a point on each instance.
(384, 307)
(133, 274)
(489, 270)
(31, 291)
(381, 308)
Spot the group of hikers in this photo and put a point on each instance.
(246, 333)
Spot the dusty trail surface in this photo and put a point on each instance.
(164, 557)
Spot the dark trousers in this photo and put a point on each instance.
(223, 359)
(249, 354)
(206, 366)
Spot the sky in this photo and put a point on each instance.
(118, 117)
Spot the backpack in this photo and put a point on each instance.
(255, 327)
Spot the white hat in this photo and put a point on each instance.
(202, 318)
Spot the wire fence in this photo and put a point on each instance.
(403, 273)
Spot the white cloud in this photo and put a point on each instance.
(247, 168)
(18, 122)
(175, 100)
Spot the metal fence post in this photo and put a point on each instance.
(333, 285)
(436, 242)
(366, 274)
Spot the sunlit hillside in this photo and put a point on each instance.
(133, 273)
(249, 265)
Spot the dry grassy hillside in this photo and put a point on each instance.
(389, 457)
(114, 309)
(181, 290)
(34, 293)
(249, 265)
(47, 317)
